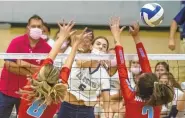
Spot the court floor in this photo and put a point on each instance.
(154, 42)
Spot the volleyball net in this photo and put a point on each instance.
(176, 61)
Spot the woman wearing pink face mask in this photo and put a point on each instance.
(133, 71)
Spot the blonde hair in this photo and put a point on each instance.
(45, 87)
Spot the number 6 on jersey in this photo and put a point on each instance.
(148, 110)
(36, 109)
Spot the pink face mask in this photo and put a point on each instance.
(35, 33)
(44, 36)
(65, 44)
(113, 62)
(135, 70)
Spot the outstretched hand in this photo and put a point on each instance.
(66, 29)
(77, 39)
(134, 29)
(115, 28)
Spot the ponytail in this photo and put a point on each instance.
(162, 94)
(44, 92)
(45, 87)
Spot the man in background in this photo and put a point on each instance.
(15, 71)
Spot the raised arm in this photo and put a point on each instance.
(122, 70)
(143, 58)
(68, 64)
(65, 32)
(87, 63)
(178, 20)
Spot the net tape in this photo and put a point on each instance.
(90, 56)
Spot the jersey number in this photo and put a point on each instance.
(82, 87)
(36, 109)
(148, 110)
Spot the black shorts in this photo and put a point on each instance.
(68, 110)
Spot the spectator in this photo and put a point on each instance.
(14, 72)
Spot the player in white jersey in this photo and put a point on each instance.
(181, 104)
(66, 48)
(171, 108)
(116, 102)
(84, 82)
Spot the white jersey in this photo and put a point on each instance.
(177, 94)
(84, 84)
(114, 84)
(51, 42)
(183, 85)
(131, 80)
(60, 62)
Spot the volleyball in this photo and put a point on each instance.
(152, 14)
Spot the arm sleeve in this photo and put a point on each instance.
(180, 17)
(64, 74)
(143, 59)
(45, 62)
(126, 90)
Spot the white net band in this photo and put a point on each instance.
(90, 56)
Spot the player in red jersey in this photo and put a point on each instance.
(44, 92)
(146, 100)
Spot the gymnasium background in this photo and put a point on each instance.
(95, 15)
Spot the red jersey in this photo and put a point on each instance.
(10, 82)
(34, 109)
(135, 106)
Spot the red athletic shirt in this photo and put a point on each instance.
(135, 106)
(32, 110)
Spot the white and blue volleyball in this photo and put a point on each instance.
(152, 14)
